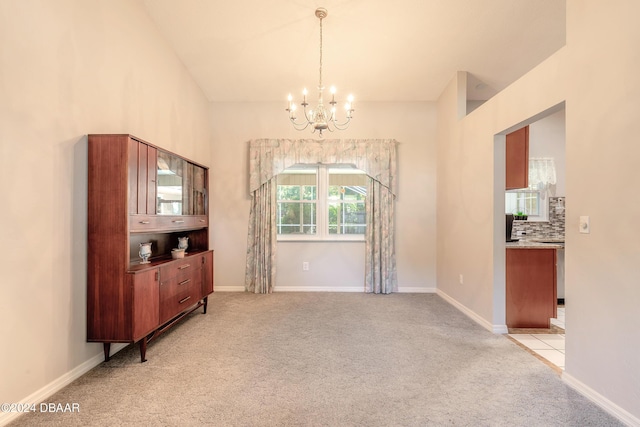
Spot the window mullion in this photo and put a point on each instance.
(321, 202)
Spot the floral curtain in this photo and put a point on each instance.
(380, 261)
(269, 157)
(260, 271)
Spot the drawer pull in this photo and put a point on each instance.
(144, 222)
(202, 220)
(178, 221)
(184, 282)
(185, 299)
(182, 267)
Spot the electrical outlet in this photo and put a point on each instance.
(305, 266)
(461, 279)
(584, 225)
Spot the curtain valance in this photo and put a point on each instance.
(269, 157)
(542, 172)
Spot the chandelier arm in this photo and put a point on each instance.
(299, 125)
(307, 121)
(342, 126)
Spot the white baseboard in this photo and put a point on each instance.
(318, 289)
(58, 384)
(500, 329)
(415, 290)
(496, 329)
(401, 289)
(613, 409)
(229, 288)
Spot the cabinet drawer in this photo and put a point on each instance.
(176, 296)
(201, 221)
(143, 223)
(147, 223)
(179, 267)
(182, 222)
(178, 285)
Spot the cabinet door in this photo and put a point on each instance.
(172, 172)
(198, 190)
(142, 178)
(146, 302)
(531, 287)
(207, 273)
(517, 159)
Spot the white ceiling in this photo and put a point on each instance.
(402, 50)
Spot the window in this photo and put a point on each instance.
(297, 202)
(321, 203)
(347, 191)
(532, 201)
(525, 201)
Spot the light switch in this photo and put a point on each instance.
(584, 225)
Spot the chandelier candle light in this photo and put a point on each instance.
(320, 119)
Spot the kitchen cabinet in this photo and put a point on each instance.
(139, 193)
(517, 159)
(530, 287)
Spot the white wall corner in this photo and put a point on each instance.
(613, 409)
(496, 329)
(461, 78)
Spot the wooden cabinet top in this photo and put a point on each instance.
(112, 136)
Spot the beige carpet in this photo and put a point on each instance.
(325, 359)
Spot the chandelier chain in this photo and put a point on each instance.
(320, 85)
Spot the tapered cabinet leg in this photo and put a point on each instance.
(107, 350)
(206, 299)
(143, 350)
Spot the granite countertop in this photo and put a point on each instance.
(536, 244)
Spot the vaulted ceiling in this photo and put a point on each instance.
(403, 50)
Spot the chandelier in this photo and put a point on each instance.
(320, 118)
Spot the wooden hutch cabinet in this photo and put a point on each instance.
(139, 193)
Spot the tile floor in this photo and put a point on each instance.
(548, 346)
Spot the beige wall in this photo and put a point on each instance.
(69, 68)
(596, 73)
(412, 124)
(603, 277)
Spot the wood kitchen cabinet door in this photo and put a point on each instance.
(531, 294)
(517, 159)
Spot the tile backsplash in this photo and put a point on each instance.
(553, 229)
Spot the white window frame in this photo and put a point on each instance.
(322, 210)
(543, 204)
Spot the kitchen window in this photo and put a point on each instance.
(526, 201)
(533, 201)
(325, 202)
